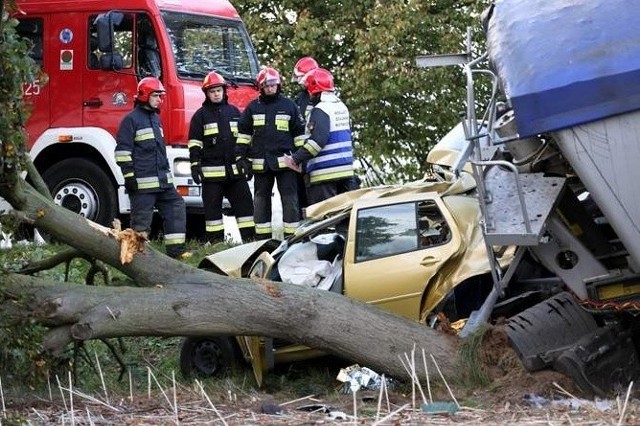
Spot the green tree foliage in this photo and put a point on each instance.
(398, 110)
(20, 350)
(15, 68)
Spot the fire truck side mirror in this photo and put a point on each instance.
(104, 24)
(111, 61)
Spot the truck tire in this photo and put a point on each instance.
(83, 187)
(207, 356)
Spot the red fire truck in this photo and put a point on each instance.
(93, 53)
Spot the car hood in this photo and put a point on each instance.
(236, 261)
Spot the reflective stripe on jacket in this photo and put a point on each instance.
(212, 140)
(268, 129)
(328, 150)
(140, 150)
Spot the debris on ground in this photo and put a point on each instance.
(356, 378)
(440, 408)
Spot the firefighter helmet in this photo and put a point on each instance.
(146, 87)
(319, 80)
(213, 79)
(267, 76)
(302, 67)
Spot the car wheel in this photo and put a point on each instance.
(84, 188)
(206, 356)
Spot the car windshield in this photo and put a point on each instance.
(202, 44)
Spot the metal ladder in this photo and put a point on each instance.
(514, 206)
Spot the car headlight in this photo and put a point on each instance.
(181, 167)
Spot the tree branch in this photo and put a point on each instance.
(92, 239)
(64, 256)
(36, 179)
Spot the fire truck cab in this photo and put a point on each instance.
(92, 54)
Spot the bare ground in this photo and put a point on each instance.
(192, 408)
(514, 397)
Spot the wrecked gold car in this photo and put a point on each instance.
(415, 249)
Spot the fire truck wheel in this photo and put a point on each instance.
(84, 188)
(206, 356)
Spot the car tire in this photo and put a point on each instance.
(207, 356)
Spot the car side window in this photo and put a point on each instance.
(399, 228)
(433, 226)
(386, 231)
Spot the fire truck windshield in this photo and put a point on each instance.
(202, 44)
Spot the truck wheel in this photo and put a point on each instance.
(206, 356)
(82, 187)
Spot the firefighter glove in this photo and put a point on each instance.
(130, 185)
(196, 174)
(244, 167)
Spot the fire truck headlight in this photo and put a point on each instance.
(181, 167)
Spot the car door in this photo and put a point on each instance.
(396, 245)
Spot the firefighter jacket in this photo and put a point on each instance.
(212, 140)
(328, 151)
(270, 127)
(140, 150)
(303, 100)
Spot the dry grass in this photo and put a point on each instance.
(174, 405)
(164, 400)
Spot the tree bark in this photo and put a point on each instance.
(186, 301)
(226, 306)
(92, 239)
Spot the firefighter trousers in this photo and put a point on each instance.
(288, 188)
(239, 196)
(321, 191)
(348, 184)
(172, 209)
(302, 192)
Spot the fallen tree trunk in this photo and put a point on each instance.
(226, 306)
(186, 301)
(147, 268)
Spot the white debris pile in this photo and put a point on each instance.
(356, 378)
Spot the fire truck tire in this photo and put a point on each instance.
(83, 187)
(207, 356)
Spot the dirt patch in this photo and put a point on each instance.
(510, 381)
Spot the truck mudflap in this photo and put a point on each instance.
(602, 362)
(558, 333)
(540, 333)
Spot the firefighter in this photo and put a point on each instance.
(141, 154)
(212, 143)
(301, 68)
(270, 127)
(328, 152)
